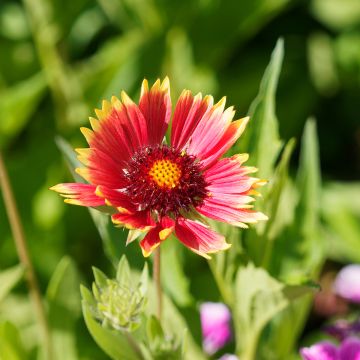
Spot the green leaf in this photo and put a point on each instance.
(123, 272)
(17, 105)
(114, 343)
(308, 181)
(258, 298)
(100, 277)
(261, 139)
(304, 254)
(341, 214)
(271, 228)
(63, 299)
(11, 347)
(9, 278)
(154, 330)
(175, 281)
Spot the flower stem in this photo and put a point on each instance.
(23, 253)
(157, 279)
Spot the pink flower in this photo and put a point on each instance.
(215, 325)
(162, 188)
(347, 283)
(325, 350)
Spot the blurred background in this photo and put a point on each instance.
(59, 59)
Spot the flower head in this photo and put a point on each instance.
(215, 325)
(347, 283)
(325, 350)
(162, 188)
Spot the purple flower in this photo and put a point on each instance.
(342, 329)
(347, 283)
(325, 350)
(215, 325)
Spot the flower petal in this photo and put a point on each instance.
(116, 199)
(119, 132)
(79, 194)
(199, 238)
(215, 326)
(232, 133)
(347, 283)
(140, 220)
(324, 350)
(189, 111)
(350, 349)
(154, 237)
(234, 216)
(155, 105)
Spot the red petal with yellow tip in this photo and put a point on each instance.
(155, 104)
(189, 111)
(141, 220)
(79, 194)
(199, 238)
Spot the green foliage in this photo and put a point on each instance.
(63, 299)
(60, 59)
(258, 298)
(9, 278)
(11, 347)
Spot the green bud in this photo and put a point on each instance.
(118, 305)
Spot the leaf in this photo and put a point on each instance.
(175, 281)
(258, 298)
(270, 229)
(341, 214)
(304, 254)
(17, 105)
(123, 272)
(154, 330)
(308, 181)
(114, 343)
(11, 347)
(64, 308)
(261, 139)
(9, 278)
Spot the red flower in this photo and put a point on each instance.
(162, 189)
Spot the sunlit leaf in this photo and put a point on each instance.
(9, 278)
(11, 347)
(259, 297)
(63, 298)
(261, 139)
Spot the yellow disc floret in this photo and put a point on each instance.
(165, 173)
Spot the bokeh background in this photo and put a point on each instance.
(59, 59)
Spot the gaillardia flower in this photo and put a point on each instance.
(162, 188)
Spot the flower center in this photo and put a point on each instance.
(165, 181)
(165, 173)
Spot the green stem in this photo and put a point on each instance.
(223, 289)
(157, 279)
(64, 85)
(24, 257)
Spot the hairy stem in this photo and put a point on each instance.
(157, 279)
(24, 257)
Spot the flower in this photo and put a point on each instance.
(215, 326)
(347, 283)
(341, 329)
(325, 350)
(161, 188)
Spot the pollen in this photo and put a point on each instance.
(165, 173)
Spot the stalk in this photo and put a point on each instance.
(24, 257)
(157, 279)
